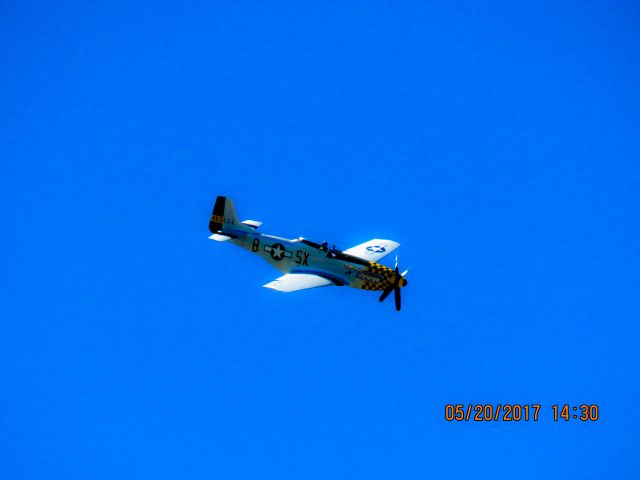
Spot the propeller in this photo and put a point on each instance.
(398, 282)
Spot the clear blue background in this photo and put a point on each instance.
(498, 143)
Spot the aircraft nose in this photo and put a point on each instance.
(404, 282)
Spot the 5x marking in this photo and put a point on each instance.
(302, 257)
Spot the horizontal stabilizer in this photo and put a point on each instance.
(252, 223)
(220, 237)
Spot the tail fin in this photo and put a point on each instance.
(224, 218)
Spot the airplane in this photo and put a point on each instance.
(306, 264)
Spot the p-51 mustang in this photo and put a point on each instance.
(306, 264)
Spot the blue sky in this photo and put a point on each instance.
(498, 143)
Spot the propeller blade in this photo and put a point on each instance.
(398, 282)
(385, 294)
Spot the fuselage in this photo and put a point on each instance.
(303, 256)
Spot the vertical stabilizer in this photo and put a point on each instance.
(224, 217)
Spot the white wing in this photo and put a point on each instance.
(292, 282)
(373, 250)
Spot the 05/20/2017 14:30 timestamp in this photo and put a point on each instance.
(516, 412)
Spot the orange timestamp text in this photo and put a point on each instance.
(516, 412)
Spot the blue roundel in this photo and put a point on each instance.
(376, 249)
(278, 251)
